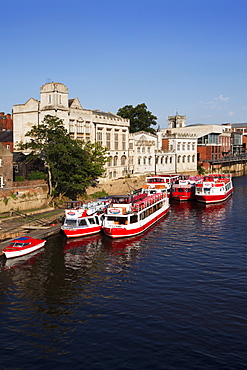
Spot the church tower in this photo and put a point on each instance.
(176, 121)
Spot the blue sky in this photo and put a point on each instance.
(188, 56)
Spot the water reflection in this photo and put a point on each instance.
(22, 261)
(81, 251)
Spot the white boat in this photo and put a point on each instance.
(130, 215)
(83, 219)
(22, 245)
(160, 183)
(214, 188)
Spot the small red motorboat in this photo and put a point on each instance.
(22, 245)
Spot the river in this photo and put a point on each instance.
(172, 298)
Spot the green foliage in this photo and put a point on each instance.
(140, 118)
(5, 200)
(19, 178)
(36, 175)
(200, 169)
(71, 166)
(98, 194)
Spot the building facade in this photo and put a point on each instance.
(6, 167)
(108, 129)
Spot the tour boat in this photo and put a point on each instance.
(22, 245)
(83, 219)
(214, 188)
(130, 215)
(185, 189)
(160, 183)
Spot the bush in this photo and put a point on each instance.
(19, 178)
(36, 175)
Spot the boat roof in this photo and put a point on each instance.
(22, 238)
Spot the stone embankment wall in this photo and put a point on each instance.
(24, 195)
(118, 186)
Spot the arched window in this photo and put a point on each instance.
(139, 160)
(184, 158)
(166, 160)
(138, 149)
(115, 160)
(179, 158)
(161, 160)
(188, 158)
(150, 160)
(123, 160)
(110, 162)
(170, 159)
(193, 158)
(144, 160)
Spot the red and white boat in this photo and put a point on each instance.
(214, 188)
(160, 183)
(185, 189)
(130, 215)
(83, 219)
(22, 245)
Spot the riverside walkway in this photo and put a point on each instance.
(40, 225)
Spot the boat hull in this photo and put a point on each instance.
(135, 228)
(78, 232)
(11, 253)
(217, 198)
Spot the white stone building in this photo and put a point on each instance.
(162, 153)
(181, 149)
(142, 149)
(108, 129)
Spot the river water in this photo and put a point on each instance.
(172, 298)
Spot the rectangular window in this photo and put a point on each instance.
(1, 162)
(116, 141)
(108, 140)
(71, 126)
(124, 142)
(99, 137)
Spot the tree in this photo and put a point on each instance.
(71, 166)
(140, 118)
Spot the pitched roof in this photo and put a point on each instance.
(6, 136)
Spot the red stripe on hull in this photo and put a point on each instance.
(123, 232)
(182, 197)
(214, 198)
(82, 232)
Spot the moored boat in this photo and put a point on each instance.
(83, 219)
(160, 183)
(22, 245)
(214, 188)
(130, 215)
(185, 189)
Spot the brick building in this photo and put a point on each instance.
(6, 122)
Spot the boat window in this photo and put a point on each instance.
(133, 219)
(70, 222)
(91, 220)
(82, 223)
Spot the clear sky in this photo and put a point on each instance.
(188, 56)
